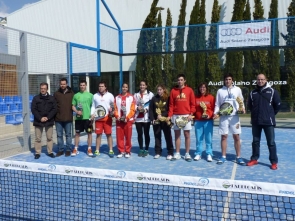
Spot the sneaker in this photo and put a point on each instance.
(252, 163)
(187, 157)
(221, 160)
(89, 152)
(37, 156)
(68, 153)
(120, 155)
(51, 155)
(240, 161)
(274, 166)
(157, 156)
(96, 153)
(127, 155)
(176, 156)
(59, 153)
(145, 153)
(197, 157)
(111, 153)
(209, 158)
(140, 153)
(75, 153)
(169, 157)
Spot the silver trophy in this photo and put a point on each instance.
(123, 117)
(181, 121)
(112, 106)
(79, 108)
(141, 104)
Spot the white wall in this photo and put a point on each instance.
(75, 21)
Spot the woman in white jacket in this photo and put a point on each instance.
(142, 121)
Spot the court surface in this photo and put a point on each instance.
(229, 170)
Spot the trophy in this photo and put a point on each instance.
(123, 116)
(181, 121)
(204, 107)
(113, 109)
(79, 108)
(241, 105)
(159, 109)
(100, 112)
(141, 104)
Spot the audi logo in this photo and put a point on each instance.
(231, 32)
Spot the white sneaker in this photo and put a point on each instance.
(187, 157)
(120, 155)
(198, 157)
(177, 156)
(209, 158)
(169, 157)
(157, 156)
(127, 155)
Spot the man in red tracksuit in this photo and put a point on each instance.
(182, 104)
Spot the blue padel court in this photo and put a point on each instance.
(104, 188)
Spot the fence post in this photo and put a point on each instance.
(25, 91)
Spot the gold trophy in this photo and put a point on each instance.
(241, 105)
(159, 109)
(204, 107)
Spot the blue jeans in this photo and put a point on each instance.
(270, 138)
(204, 129)
(67, 127)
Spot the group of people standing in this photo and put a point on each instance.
(177, 111)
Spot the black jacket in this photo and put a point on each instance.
(43, 106)
(264, 103)
(152, 108)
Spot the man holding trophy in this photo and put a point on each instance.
(229, 103)
(81, 105)
(181, 110)
(102, 112)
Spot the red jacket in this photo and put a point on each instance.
(209, 100)
(182, 101)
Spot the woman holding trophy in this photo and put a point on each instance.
(205, 104)
(158, 113)
(124, 113)
(142, 121)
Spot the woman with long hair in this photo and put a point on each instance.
(142, 121)
(124, 113)
(205, 104)
(158, 112)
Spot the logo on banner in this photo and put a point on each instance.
(287, 192)
(81, 172)
(152, 178)
(201, 182)
(231, 31)
(50, 168)
(120, 174)
(228, 185)
(21, 166)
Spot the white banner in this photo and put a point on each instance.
(244, 34)
(155, 178)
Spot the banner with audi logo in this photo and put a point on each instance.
(244, 34)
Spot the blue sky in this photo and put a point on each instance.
(9, 6)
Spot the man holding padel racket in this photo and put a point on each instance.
(101, 113)
(227, 108)
(181, 110)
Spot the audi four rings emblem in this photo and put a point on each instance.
(231, 31)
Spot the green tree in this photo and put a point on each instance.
(145, 46)
(274, 54)
(179, 39)
(167, 58)
(201, 45)
(260, 56)
(248, 74)
(190, 64)
(213, 63)
(234, 59)
(157, 58)
(289, 91)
